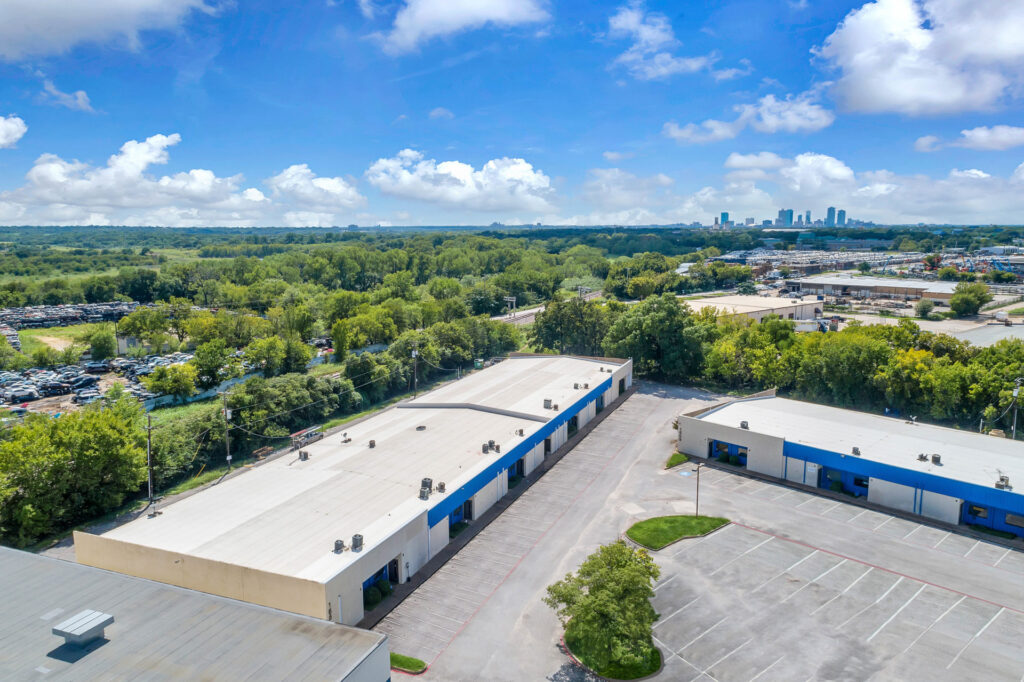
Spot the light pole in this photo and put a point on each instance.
(1016, 391)
(696, 506)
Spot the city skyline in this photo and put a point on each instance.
(204, 112)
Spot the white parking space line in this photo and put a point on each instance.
(914, 530)
(811, 498)
(973, 547)
(689, 546)
(1001, 558)
(886, 594)
(976, 635)
(858, 516)
(784, 571)
(826, 511)
(763, 542)
(705, 671)
(861, 577)
(898, 612)
(662, 620)
(724, 618)
(811, 582)
(658, 587)
(941, 539)
(934, 623)
(772, 665)
(884, 522)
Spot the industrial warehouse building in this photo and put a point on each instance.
(758, 307)
(159, 632)
(309, 531)
(855, 286)
(953, 476)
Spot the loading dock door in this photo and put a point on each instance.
(622, 386)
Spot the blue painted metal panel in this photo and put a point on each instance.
(458, 497)
(992, 497)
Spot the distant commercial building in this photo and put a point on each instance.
(757, 307)
(160, 632)
(807, 218)
(748, 221)
(873, 287)
(830, 217)
(308, 532)
(788, 217)
(841, 218)
(725, 217)
(953, 476)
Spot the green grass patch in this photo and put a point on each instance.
(1015, 311)
(33, 339)
(676, 459)
(326, 368)
(407, 664)
(662, 531)
(616, 671)
(164, 415)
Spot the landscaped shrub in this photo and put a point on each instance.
(836, 486)
(371, 597)
(384, 586)
(734, 460)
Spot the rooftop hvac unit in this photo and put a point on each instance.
(339, 546)
(484, 448)
(303, 456)
(586, 385)
(575, 387)
(424, 493)
(547, 403)
(744, 425)
(357, 542)
(421, 427)
(856, 451)
(936, 459)
(490, 443)
(497, 447)
(922, 457)
(519, 432)
(554, 407)
(440, 487)
(373, 443)
(427, 483)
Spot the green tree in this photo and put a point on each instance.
(102, 344)
(266, 354)
(340, 339)
(297, 355)
(177, 312)
(662, 336)
(571, 326)
(45, 356)
(605, 607)
(746, 289)
(176, 380)
(864, 268)
(968, 298)
(58, 472)
(210, 360)
(933, 261)
(948, 273)
(924, 308)
(443, 288)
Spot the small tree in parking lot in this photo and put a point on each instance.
(605, 607)
(924, 308)
(102, 345)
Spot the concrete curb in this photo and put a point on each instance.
(685, 537)
(403, 590)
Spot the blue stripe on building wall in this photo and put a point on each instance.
(993, 497)
(458, 497)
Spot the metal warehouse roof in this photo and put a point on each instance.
(159, 631)
(283, 516)
(966, 456)
(739, 305)
(936, 287)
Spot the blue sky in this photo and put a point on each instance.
(197, 112)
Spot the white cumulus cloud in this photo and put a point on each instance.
(441, 112)
(925, 57)
(650, 56)
(613, 188)
(299, 184)
(499, 185)
(78, 100)
(12, 129)
(996, 138)
(927, 143)
(792, 114)
(759, 160)
(32, 28)
(421, 20)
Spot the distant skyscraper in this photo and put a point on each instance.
(725, 217)
(781, 218)
(807, 218)
(830, 217)
(788, 217)
(841, 218)
(799, 219)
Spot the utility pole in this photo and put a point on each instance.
(415, 365)
(227, 435)
(149, 454)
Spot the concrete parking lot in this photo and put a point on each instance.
(799, 587)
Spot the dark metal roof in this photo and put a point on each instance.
(160, 632)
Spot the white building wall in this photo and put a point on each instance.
(533, 458)
(438, 537)
(892, 495)
(374, 668)
(764, 453)
(940, 507)
(485, 498)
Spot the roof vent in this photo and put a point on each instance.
(485, 448)
(744, 425)
(497, 447)
(440, 487)
(922, 457)
(519, 432)
(357, 543)
(856, 451)
(547, 403)
(339, 546)
(421, 427)
(427, 483)
(424, 493)
(586, 385)
(490, 444)
(303, 456)
(83, 627)
(937, 459)
(373, 443)
(575, 387)
(554, 407)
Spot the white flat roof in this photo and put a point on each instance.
(284, 515)
(739, 305)
(935, 287)
(966, 456)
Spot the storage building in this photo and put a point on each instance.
(941, 473)
(308, 532)
(855, 286)
(758, 307)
